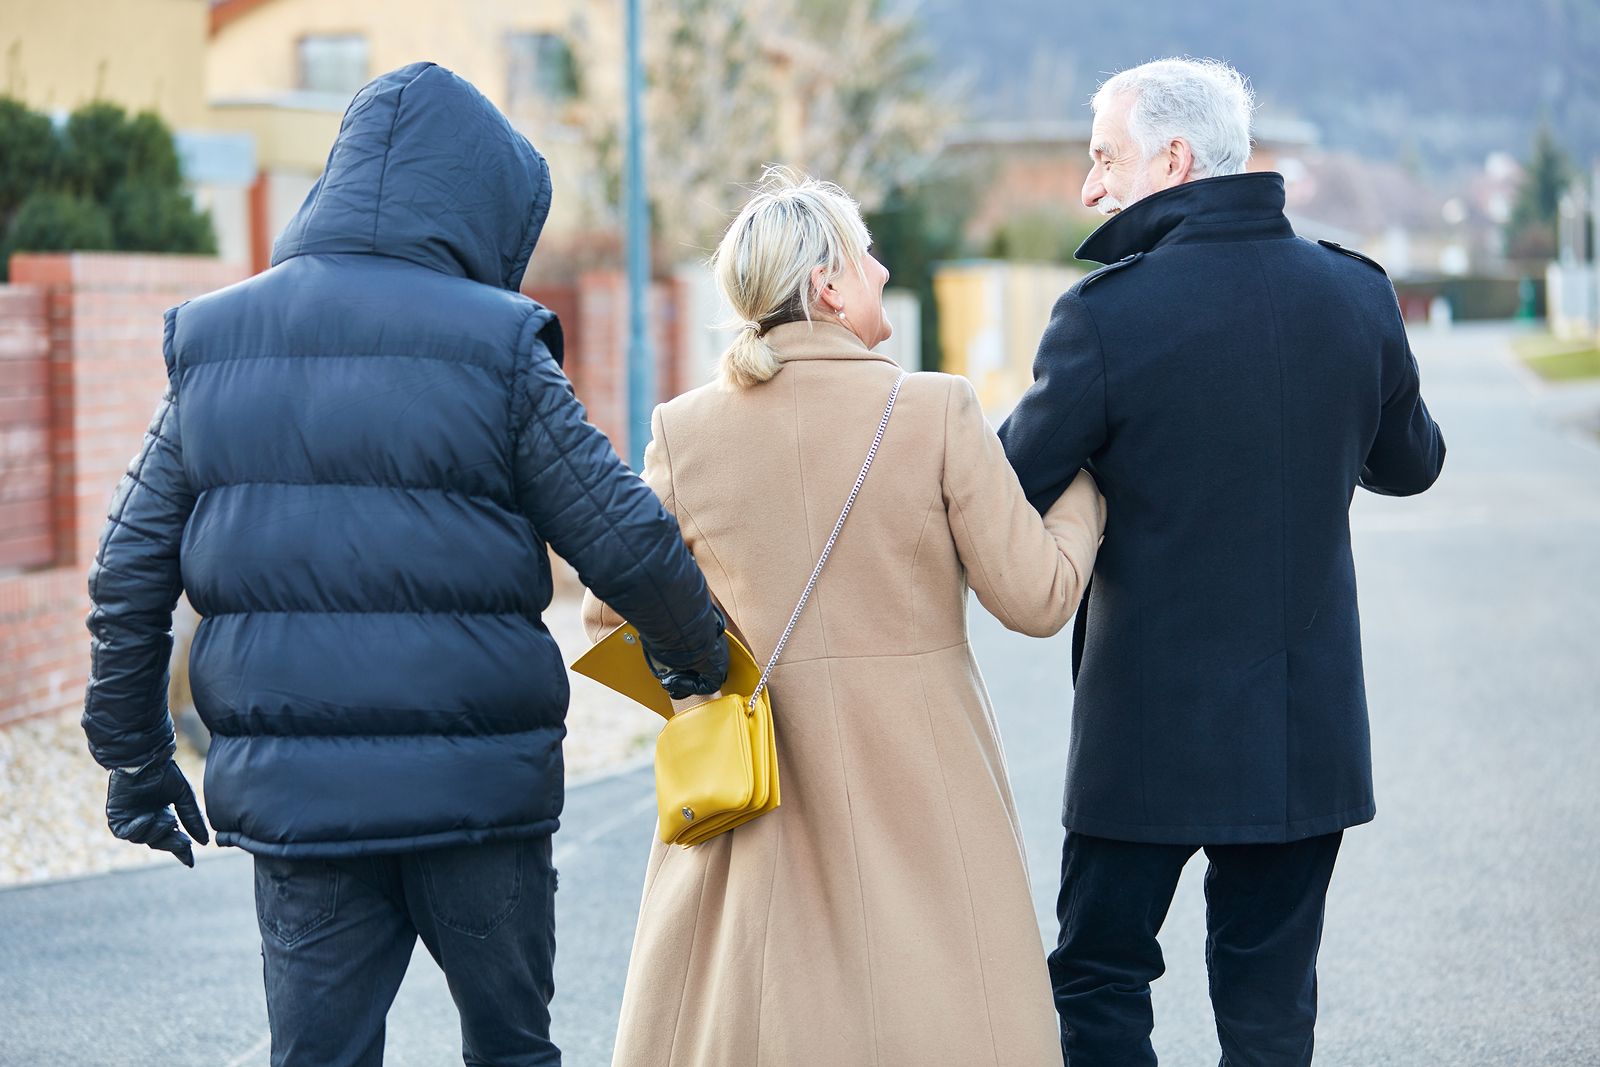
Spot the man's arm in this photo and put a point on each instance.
(134, 583)
(1061, 420)
(1408, 451)
(605, 521)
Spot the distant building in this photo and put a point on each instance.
(284, 70)
(142, 55)
(1415, 226)
(1033, 167)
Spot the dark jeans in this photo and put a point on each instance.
(1264, 906)
(336, 937)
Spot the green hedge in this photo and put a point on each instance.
(1477, 298)
(103, 180)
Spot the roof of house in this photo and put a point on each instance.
(226, 11)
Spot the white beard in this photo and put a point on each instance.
(1110, 205)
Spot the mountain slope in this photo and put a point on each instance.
(1434, 81)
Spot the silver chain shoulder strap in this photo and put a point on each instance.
(816, 572)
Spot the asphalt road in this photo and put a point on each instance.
(1461, 926)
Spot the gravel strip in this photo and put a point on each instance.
(52, 795)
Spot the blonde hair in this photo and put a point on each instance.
(763, 266)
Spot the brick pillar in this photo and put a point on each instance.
(598, 362)
(599, 371)
(25, 474)
(666, 306)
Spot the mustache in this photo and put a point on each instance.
(1109, 205)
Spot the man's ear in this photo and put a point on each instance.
(1180, 162)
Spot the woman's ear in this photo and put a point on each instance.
(822, 294)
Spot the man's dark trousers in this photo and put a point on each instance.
(337, 935)
(1264, 908)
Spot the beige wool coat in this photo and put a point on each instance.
(881, 915)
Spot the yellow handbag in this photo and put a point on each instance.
(717, 762)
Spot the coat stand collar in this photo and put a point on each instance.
(1233, 206)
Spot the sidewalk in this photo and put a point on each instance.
(52, 794)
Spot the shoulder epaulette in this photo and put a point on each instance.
(1109, 268)
(1353, 254)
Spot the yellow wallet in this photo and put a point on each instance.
(717, 762)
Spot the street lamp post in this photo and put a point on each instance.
(641, 365)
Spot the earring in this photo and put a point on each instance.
(841, 314)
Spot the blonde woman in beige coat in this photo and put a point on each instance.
(881, 915)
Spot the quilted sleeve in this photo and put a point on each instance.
(605, 521)
(134, 584)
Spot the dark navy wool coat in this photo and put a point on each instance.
(1229, 385)
(361, 457)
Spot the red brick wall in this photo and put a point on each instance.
(594, 320)
(101, 316)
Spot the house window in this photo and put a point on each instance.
(333, 63)
(540, 71)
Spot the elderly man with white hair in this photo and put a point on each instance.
(1229, 385)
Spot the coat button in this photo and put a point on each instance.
(688, 814)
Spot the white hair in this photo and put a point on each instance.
(763, 266)
(1202, 101)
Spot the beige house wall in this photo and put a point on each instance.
(142, 54)
(256, 53)
(252, 79)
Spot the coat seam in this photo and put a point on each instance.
(242, 612)
(486, 368)
(733, 597)
(1099, 343)
(789, 661)
(148, 535)
(353, 485)
(383, 170)
(805, 506)
(1283, 520)
(966, 875)
(517, 396)
(688, 961)
(855, 853)
(666, 454)
(496, 735)
(916, 554)
(766, 941)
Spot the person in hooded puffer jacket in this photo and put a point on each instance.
(360, 459)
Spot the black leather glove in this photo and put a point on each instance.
(681, 684)
(139, 809)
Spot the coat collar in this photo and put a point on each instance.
(818, 340)
(1234, 207)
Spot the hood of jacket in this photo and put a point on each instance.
(426, 170)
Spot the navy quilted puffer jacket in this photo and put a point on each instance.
(358, 464)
